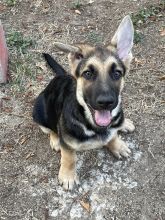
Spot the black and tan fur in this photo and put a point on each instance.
(83, 110)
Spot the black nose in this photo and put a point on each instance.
(105, 101)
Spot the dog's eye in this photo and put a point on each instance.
(88, 75)
(116, 75)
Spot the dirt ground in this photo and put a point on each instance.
(114, 189)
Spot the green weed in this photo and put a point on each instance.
(143, 15)
(11, 2)
(21, 60)
(17, 40)
(138, 37)
(76, 4)
(22, 72)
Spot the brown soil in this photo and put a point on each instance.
(126, 189)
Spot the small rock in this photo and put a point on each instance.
(77, 12)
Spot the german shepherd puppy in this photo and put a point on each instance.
(83, 110)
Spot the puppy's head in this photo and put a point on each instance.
(100, 73)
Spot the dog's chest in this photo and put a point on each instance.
(94, 141)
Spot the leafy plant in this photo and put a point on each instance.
(11, 2)
(138, 37)
(16, 39)
(76, 5)
(142, 16)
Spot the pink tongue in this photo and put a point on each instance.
(103, 117)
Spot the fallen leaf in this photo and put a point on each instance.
(152, 18)
(46, 7)
(38, 3)
(29, 85)
(39, 77)
(2, 7)
(57, 31)
(44, 179)
(45, 29)
(162, 78)
(24, 24)
(23, 140)
(139, 61)
(77, 12)
(29, 94)
(8, 147)
(6, 98)
(140, 22)
(7, 109)
(85, 205)
(41, 65)
(31, 154)
(162, 33)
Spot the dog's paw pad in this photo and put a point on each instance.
(68, 180)
(128, 126)
(121, 150)
(55, 145)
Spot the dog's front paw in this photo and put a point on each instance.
(55, 144)
(67, 178)
(119, 148)
(128, 126)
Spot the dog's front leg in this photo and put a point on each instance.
(54, 141)
(67, 174)
(118, 147)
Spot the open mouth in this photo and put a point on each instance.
(102, 118)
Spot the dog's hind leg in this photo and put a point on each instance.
(45, 130)
(67, 174)
(127, 126)
(54, 141)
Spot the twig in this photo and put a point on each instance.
(149, 150)
(144, 67)
(20, 116)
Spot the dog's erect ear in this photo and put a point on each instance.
(123, 39)
(76, 53)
